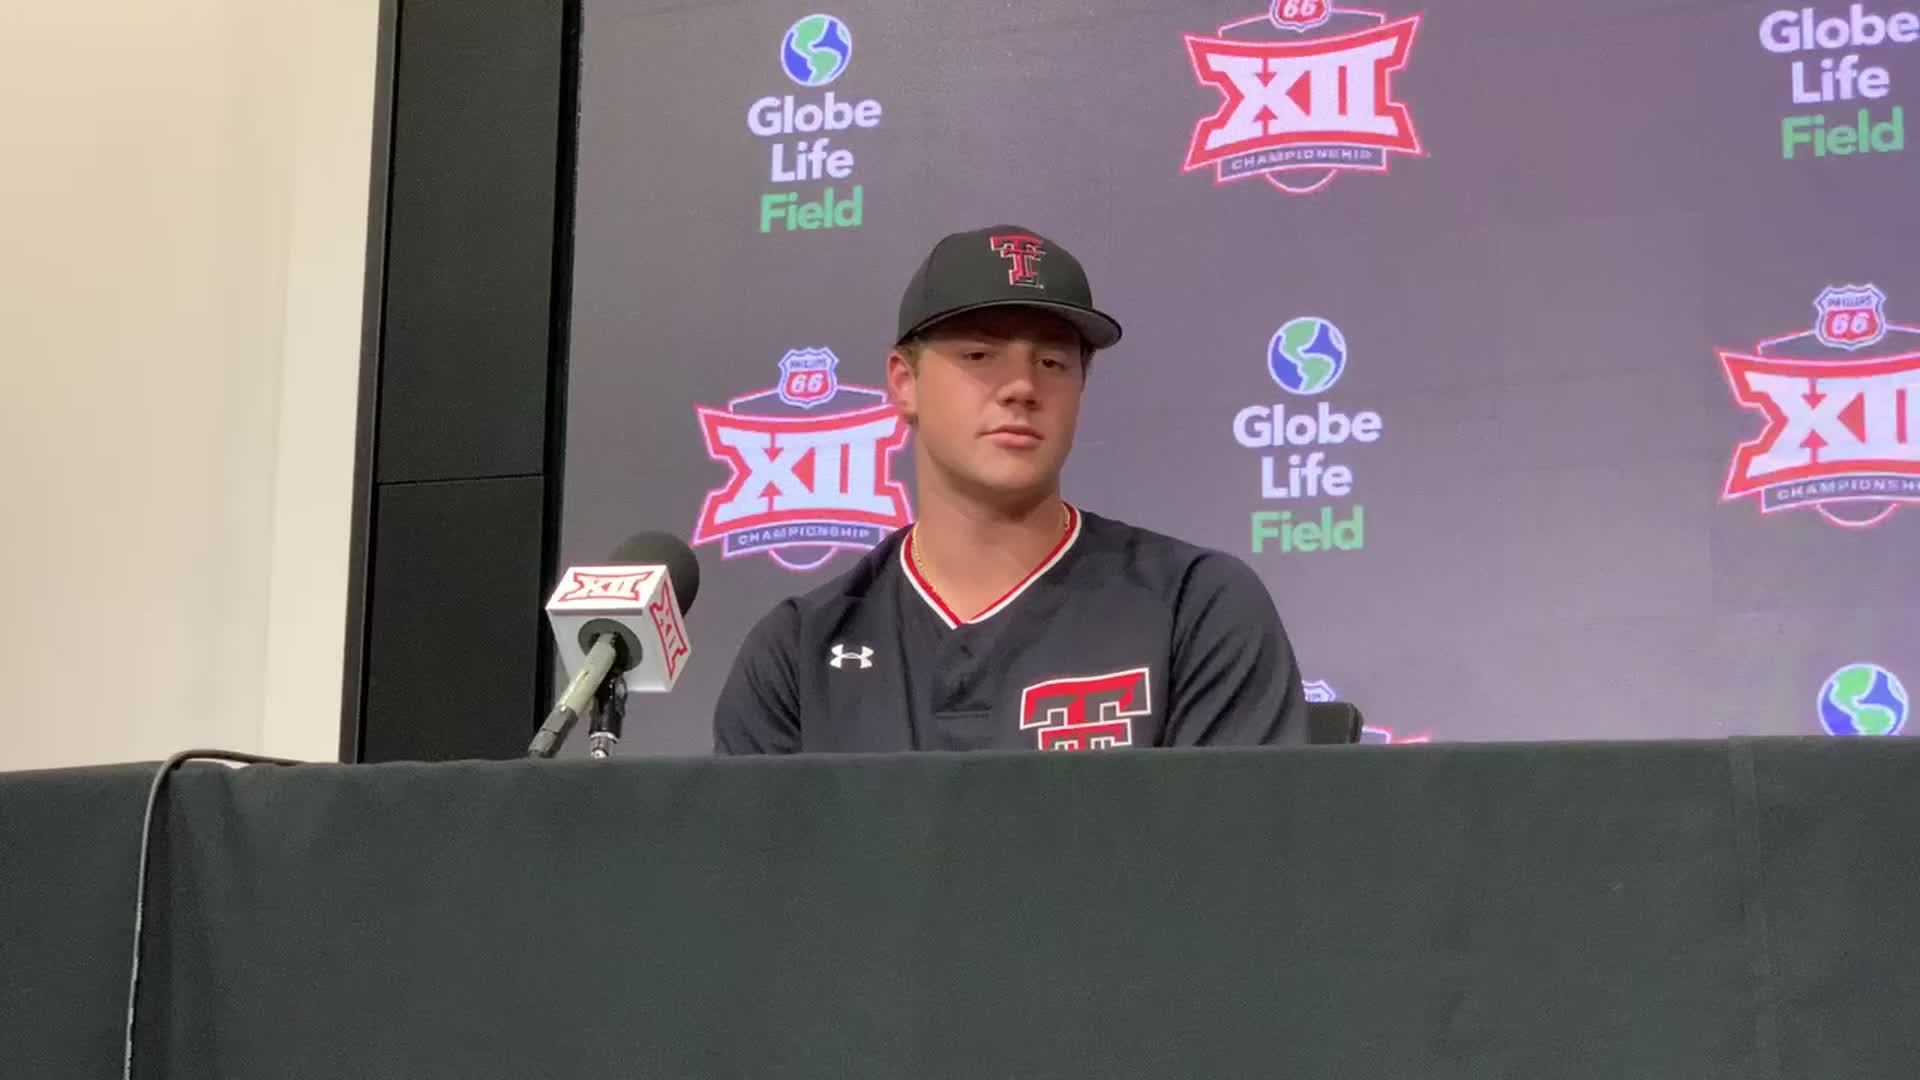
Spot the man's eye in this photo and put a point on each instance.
(1055, 363)
(976, 354)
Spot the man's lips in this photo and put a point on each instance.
(1015, 436)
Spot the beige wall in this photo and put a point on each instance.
(183, 220)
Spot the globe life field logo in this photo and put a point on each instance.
(1863, 699)
(1307, 355)
(1831, 65)
(814, 52)
(1306, 358)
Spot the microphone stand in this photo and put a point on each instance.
(609, 714)
(587, 686)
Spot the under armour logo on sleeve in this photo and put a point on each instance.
(840, 656)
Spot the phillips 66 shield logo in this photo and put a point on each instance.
(1850, 317)
(811, 463)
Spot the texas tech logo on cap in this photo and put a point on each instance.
(1842, 432)
(1093, 713)
(1308, 94)
(805, 482)
(1022, 252)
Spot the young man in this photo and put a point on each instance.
(1003, 617)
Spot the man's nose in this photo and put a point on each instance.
(1019, 384)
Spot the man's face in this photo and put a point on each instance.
(994, 398)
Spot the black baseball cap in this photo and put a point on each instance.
(1002, 266)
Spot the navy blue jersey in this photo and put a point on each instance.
(1121, 637)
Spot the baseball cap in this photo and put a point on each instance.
(1002, 266)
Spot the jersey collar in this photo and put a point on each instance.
(946, 614)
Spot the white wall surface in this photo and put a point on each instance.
(182, 231)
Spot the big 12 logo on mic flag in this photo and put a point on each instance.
(1308, 94)
(1842, 406)
(811, 467)
(589, 585)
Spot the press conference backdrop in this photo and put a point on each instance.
(1556, 364)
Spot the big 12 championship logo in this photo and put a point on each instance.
(811, 463)
(1842, 406)
(1308, 89)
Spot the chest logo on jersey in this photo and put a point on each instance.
(861, 658)
(1095, 712)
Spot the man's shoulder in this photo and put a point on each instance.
(1158, 560)
(829, 602)
(874, 570)
(1207, 592)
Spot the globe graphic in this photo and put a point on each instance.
(1863, 699)
(1307, 355)
(816, 50)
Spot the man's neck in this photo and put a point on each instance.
(972, 555)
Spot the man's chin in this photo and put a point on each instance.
(1017, 486)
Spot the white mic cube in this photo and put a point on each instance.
(640, 604)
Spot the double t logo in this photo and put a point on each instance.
(1021, 251)
(1093, 713)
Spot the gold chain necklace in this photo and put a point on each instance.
(919, 561)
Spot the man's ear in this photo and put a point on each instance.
(902, 383)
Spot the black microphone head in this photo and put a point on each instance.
(667, 549)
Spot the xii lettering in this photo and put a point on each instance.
(1825, 418)
(830, 468)
(1326, 90)
(590, 586)
(673, 641)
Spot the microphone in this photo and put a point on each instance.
(619, 626)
